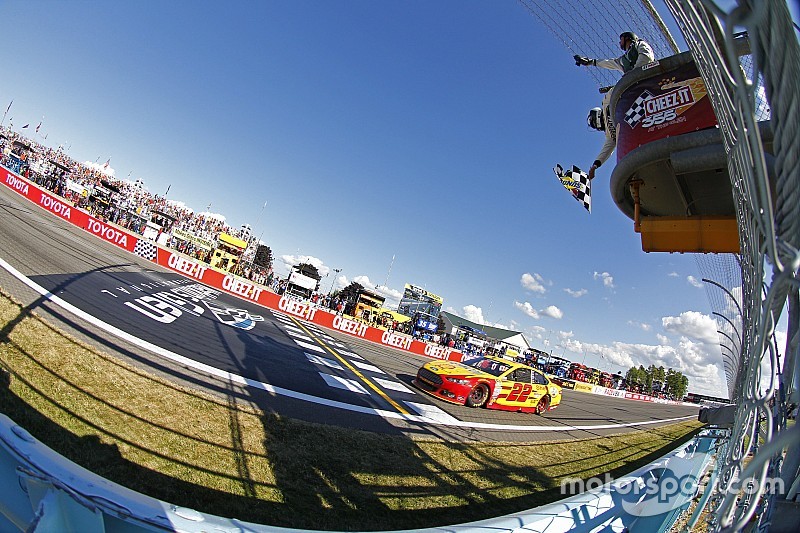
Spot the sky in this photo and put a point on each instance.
(399, 142)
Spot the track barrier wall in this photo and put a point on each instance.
(42, 491)
(615, 393)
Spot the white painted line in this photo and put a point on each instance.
(295, 336)
(350, 354)
(432, 412)
(292, 320)
(321, 334)
(393, 385)
(309, 346)
(368, 367)
(235, 378)
(317, 360)
(343, 383)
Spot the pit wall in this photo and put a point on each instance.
(580, 386)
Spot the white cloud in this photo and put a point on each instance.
(537, 332)
(340, 282)
(640, 325)
(694, 282)
(533, 282)
(553, 312)
(180, 205)
(527, 308)
(732, 309)
(695, 352)
(392, 296)
(511, 326)
(673, 275)
(608, 280)
(697, 361)
(473, 313)
(611, 354)
(209, 214)
(767, 372)
(364, 281)
(564, 336)
(291, 260)
(780, 340)
(576, 294)
(694, 325)
(100, 167)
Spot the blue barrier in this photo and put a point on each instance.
(42, 491)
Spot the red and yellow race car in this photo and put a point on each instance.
(489, 382)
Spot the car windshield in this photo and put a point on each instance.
(488, 365)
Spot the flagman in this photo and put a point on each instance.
(638, 52)
(600, 119)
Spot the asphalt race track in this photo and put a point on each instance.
(208, 339)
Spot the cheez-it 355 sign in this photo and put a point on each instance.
(662, 106)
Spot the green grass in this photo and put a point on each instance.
(221, 457)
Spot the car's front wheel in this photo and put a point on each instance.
(543, 406)
(478, 396)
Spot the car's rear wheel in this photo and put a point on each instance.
(478, 396)
(543, 406)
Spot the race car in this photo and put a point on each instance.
(490, 382)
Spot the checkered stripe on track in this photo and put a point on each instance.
(340, 380)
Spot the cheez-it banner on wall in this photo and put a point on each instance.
(662, 106)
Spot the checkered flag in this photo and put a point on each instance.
(145, 249)
(636, 112)
(578, 183)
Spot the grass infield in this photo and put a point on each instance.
(219, 456)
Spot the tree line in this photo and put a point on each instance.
(669, 382)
